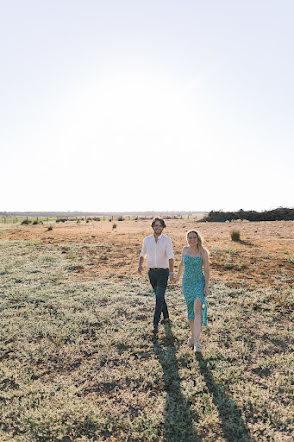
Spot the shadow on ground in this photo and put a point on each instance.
(179, 418)
(178, 425)
(245, 243)
(233, 426)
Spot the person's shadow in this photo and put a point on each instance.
(178, 425)
(179, 418)
(233, 426)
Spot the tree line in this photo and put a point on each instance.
(279, 214)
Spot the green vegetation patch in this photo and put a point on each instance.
(79, 359)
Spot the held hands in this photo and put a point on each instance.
(177, 279)
(173, 279)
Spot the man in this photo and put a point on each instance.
(160, 259)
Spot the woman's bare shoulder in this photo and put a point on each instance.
(205, 252)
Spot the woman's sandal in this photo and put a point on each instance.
(190, 342)
(197, 346)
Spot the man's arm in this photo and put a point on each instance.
(170, 255)
(171, 269)
(142, 254)
(140, 266)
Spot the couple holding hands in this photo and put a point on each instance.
(158, 250)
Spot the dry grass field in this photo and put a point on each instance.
(78, 359)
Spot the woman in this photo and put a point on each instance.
(195, 284)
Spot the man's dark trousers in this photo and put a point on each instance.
(158, 279)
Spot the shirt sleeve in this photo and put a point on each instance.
(144, 249)
(169, 250)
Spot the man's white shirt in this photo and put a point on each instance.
(158, 253)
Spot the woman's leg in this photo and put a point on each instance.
(197, 321)
(191, 325)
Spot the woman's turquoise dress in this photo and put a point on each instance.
(193, 286)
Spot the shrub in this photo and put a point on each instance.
(50, 228)
(35, 222)
(26, 221)
(120, 218)
(114, 226)
(235, 235)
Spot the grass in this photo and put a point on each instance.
(78, 359)
(291, 259)
(228, 258)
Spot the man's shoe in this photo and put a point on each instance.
(155, 330)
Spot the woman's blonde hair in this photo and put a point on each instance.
(200, 240)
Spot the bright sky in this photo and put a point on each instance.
(146, 105)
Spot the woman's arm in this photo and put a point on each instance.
(181, 267)
(205, 259)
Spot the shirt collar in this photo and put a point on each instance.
(160, 236)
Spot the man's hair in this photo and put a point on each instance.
(160, 220)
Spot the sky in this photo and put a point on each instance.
(110, 105)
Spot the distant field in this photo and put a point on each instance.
(78, 358)
(31, 219)
(18, 220)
